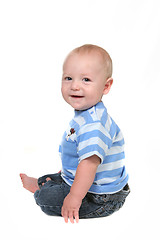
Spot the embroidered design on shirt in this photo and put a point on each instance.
(72, 131)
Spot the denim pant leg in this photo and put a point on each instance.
(51, 195)
(95, 205)
(54, 177)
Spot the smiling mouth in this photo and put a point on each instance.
(75, 96)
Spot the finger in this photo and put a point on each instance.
(66, 219)
(71, 217)
(76, 216)
(64, 215)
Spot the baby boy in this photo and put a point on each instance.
(93, 181)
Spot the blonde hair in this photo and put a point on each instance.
(88, 48)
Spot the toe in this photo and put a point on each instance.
(48, 179)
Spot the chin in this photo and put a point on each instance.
(82, 108)
(78, 108)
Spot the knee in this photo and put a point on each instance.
(47, 204)
(42, 197)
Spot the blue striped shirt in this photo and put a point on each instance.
(93, 132)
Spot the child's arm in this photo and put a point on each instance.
(84, 178)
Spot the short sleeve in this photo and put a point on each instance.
(93, 139)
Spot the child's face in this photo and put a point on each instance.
(83, 81)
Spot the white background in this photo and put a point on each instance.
(35, 37)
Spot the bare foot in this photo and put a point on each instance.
(29, 183)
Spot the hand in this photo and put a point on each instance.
(70, 208)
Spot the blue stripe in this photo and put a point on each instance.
(68, 174)
(108, 188)
(67, 180)
(104, 118)
(60, 149)
(118, 130)
(74, 125)
(88, 117)
(113, 129)
(110, 173)
(119, 143)
(114, 157)
(85, 115)
(121, 178)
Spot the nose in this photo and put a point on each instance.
(75, 86)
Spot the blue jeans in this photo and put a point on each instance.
(51, 195)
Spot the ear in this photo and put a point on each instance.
(107, 87)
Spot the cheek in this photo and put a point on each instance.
(100, 89)
(64, 88)
(63, 91)
(96, 91)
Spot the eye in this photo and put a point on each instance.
(86, 80)
(68, 78)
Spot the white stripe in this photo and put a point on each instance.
(100, 113)
(64, 178)
(119, 137)
(110, 166)
(91, 141)
(108, 123)
(86, 155)
(93, 126)
(73, 172)
(93, 114)
(80, 120)
(107, 180)
(96, 115)
(115, 150)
